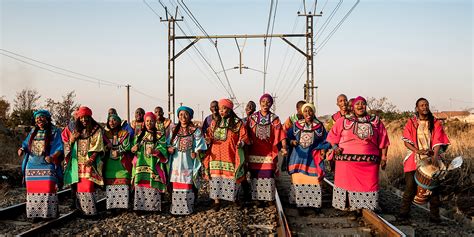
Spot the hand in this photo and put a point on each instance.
(193, 155)
(294, 143)
(20, 152)
(134, 148)
(48, 159)
(241, 144)
(383, 164)
(338, 151)
(434, 162)
(322, 153)
(171, 150)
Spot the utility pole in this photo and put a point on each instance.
(309, 86)
(128, 103)
(171, 62)
(274, 107)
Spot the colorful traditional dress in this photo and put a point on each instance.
(117, 169)
(305, 163)
(148, 174)
(184, 169)
(42, 177)
(330, 123)
(163, 127)
(225, 160)
(137, 127)
(265, 132)
(289, 122)
(89, 146)
(357, 168)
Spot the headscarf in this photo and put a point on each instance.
(83, 111)
(266, 95)
(187, 109)
(226, 103)
(41, 112)
(358, 98)
(308, 105)
(114, 116)
(150, 114)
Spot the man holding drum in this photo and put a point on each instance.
(426, 140)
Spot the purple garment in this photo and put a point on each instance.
(206, 124)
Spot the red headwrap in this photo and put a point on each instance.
(266, 95)
(226, 103)
(83, 111)
(358, 98)
(150, 114)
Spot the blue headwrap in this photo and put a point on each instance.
(41, 112)
(187, 109)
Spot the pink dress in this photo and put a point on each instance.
(357, 168)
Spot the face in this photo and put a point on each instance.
(113, 123)
(308, 114)
(265, 104)
(360, 108)
(298, 109)
(214, 108)
(85, 120)
(159, 112)
(249, 109)
(112, 111)
(349, 103)
(41, 121)
(139, 115)
(224, 111)
(183, 117)
(342, 103)
(149, 123)
(423, 107)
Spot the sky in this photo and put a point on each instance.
(401, 50)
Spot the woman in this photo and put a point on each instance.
(185, 145)
(360, 144)
(225, 160)
(148, 174)
(425, 139)
(117, 163)
(305, 165)
(84, 167)
(42, 150)
(265, 133)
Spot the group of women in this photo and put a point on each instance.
(150, 157)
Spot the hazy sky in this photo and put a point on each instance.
(399, 49)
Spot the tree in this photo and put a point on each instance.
(25, 103)
(4, 108)
(381, 104)
(61, 111)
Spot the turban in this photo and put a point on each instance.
(358, 98)
(83, 111)
(226, 103)
(266, 95)
(187, 109)
(114, 116)
(150, 114)
(308, 105)
(42, 112)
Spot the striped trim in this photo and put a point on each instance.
(260, 159)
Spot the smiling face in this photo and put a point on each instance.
(85, 120)
(224, 111)
(159, 112)
(41, 121)
(214, 107)
(139, 113)
(360, 108)
(265, 104)
(308, 114)
(342, 103)
(149, 123)
(113, 123)
(183, 117)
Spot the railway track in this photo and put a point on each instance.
(328, 221)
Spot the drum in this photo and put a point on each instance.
(425, 182)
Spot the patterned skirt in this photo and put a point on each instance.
(117, 196)
(357, 200)
(87, 197)
(182, 202)
(147, 199)
(225, 189)
(263, 189)
(305, 191)
(41, 196)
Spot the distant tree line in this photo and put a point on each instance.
(27, 101)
